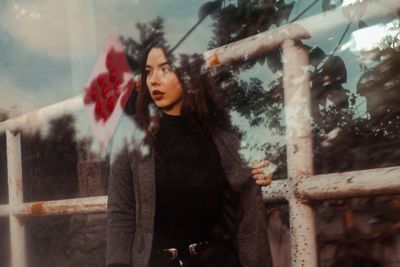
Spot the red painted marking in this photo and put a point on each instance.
(214, 60)
(37, 208)
(104, 89)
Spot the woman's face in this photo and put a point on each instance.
(163, 83)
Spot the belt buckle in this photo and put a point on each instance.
(194, 248)
(173, 252)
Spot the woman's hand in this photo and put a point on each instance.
(262, 172)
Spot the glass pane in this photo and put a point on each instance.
(49, 53)
(40, 69)
(359, 232)
(3, 170)
(354, 86)
(58, 166)
(279, 234)
(63, 241)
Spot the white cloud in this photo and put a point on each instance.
(60, 28)
(351, 2)
(47, 31)
(76, 27)
(17, 100)
(12, 100)
(372, 37)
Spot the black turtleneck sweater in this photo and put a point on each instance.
(189, 179)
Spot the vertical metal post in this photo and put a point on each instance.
(299, 152)
(17, 228)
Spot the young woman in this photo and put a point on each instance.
(187, 199)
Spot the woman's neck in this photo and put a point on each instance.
(171, 113)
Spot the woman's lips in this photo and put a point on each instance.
(158, 95)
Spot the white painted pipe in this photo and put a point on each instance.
(4, 211)
(299, 152)
(15, 192)
(277, 191)
(385, 181)
(62, 207)
(43, 115)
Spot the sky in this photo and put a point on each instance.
(48, 48)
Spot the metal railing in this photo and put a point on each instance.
(301, 185)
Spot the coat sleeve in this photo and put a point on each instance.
(251, 235)
(120, 210)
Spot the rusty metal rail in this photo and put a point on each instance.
(62, 207)
(373, 182)
(57, 207)
(301, 184)
(42, 115)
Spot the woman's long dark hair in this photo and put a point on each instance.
(202, 105)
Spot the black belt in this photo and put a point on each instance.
(178, 252)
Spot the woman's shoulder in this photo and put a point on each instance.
(227, 133)
(228, 140)
(128, 137)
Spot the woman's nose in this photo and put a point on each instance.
(154, 78)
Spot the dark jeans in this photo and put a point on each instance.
(221, 255)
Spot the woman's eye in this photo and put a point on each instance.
(166, 69)
(148, 72)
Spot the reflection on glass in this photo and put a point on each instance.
(3, 170)
(4, 242)
(48, 50)
(107, 92)
(77, 240)
(380, 36)
(362, 231)
(58, 165)
(49, 163)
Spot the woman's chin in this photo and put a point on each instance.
(161, 105)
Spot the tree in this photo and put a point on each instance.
(148, 33)
(50, 162)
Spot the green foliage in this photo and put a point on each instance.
(148, 33)
(247, 18)
(50, 162)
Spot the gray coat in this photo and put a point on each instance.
(131, 206)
